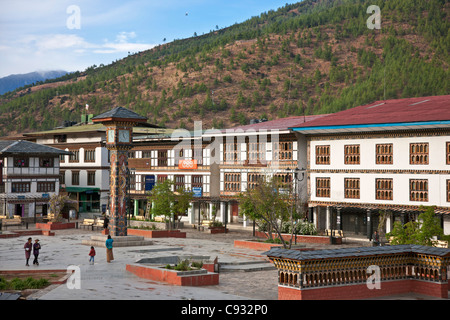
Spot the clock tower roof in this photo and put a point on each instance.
(119, 114)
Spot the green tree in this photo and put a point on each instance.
(268, 203)
(419, 232)
(168, 203)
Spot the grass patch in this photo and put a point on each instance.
(22, 284)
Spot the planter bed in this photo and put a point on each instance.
(302, 238)
(263, 246)
(157, 233)
(55, 226)
(200, 277)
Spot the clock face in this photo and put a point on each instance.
(124, 136)
(110, 136)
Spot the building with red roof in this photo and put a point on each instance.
(389, 156)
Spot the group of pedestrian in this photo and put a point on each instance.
(30, 247)
(109, 252)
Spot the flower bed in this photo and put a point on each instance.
(200, 277)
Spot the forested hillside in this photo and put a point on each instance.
(306, 58)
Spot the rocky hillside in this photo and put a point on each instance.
(306, 58)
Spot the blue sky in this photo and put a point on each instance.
(73, 35)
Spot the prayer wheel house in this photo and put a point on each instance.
(361, 273)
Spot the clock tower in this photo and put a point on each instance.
(119, 124)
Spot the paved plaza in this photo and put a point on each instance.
(110, 281)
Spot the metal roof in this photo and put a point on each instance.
(8, 147)
(119, 113)
(278, 252)
(396, 114)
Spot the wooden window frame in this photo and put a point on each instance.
(20, 187)
(323, 187)
(232, 182)
(45, 186)
(419, 153)
(384, 153)
(352, 154)
(75, 182)
(384, 188)
(352, 187)
(323, 154)
(21, 162)
(89, 155)
(91, 175)
(418, 190)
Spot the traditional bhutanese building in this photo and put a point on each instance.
(389, 156)
(29, 177)
(250, 152)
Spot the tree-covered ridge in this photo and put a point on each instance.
(306, 58)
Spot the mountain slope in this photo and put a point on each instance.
(306, 58)
(14, 81)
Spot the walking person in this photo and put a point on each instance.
(105, 222)
(91, 255)
(28, 247)
(36, 248)
(109, 249)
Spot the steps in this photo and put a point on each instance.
(246, 266)
(119, 241)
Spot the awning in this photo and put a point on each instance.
(82, 189)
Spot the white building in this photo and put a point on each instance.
(29, 177)
(391, 156)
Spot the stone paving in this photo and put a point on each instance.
(110, 281)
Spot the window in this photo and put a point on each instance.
(131, 154)
(162, 158)
(62, 158)
(448, 190)
(448, 152)
(284, 179)
(20, 187)
(256, 152)
(178, 182)
(322, 154)
(91, 178)
(89, 155)
(352, 155)
(62, 177)
(21, 162)
(147, 154)
(75, 178)
(60, 138)
(384, 189)
(283, 150)
(198, 155)
(351, 188)
(197, 181)
(162, 178)
(45, 186)
(232, 182)
(46, 162)
(384, 154)
(418, 189)
(418, 153)
(231, 153)
(253, 179)
(323, 187)
(75, 156)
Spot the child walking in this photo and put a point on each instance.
(91, 255)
